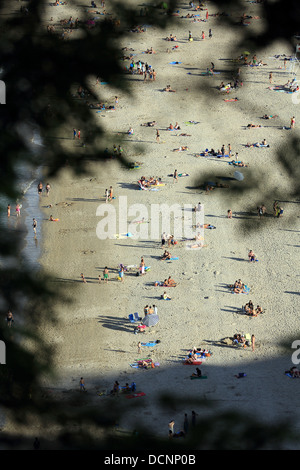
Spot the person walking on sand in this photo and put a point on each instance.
(229, 214)
(271, 77)
(157, 136)
(8, 210)
(110, 193)
(18, 210)
(48, 187)
(171, 426)
(82, 385)
(121, 273)
(34, 225)
(293, 122)
(9, 319)
(139, 347)
(74, 133)
(175, 176)
(78, 134)
(106, 274)
(253, 342)
(40, 188)
(99, 279)
(83, 278)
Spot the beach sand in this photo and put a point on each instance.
(94, 338)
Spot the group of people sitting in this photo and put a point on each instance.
(169, 282)
(250, 310)
(148, 310)
(171, 127)
(143, 183)
(239, 287)
(241, 340)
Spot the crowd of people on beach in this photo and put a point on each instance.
(144, 71)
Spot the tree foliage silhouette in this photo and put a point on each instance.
(41, 72)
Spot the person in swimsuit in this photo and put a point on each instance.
(40, 188)
(106, 274)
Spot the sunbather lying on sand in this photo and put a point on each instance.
(258, 144)
(168, 88)
(239, 163)
(294, 372)
(253, 125)
(182, 148)
(149, 124)
(270, 116)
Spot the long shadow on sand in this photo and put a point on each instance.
(235, 259)
(116, 323)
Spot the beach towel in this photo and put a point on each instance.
(122, 235)
(150, 344)
(193, 363)
(135, 395)
(175, 62)
(200, 377)
(174, 258)
(232, 99)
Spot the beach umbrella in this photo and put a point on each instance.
(238, 175)
(150, 320)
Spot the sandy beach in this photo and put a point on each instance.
(94, 338)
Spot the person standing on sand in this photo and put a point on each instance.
(40, 188)
(74, 133)
(83, 278)
(18, 210)
(171, 426)
(271, 77)
(157, 136)
(139, 347)
(82, 385)
(175, 176)
(78, 133)
(293, 122)
(106, 274)
(253, 342)
(229, 214)
(8, 210)
(110, 193)
(48, 187)
(34, 225)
